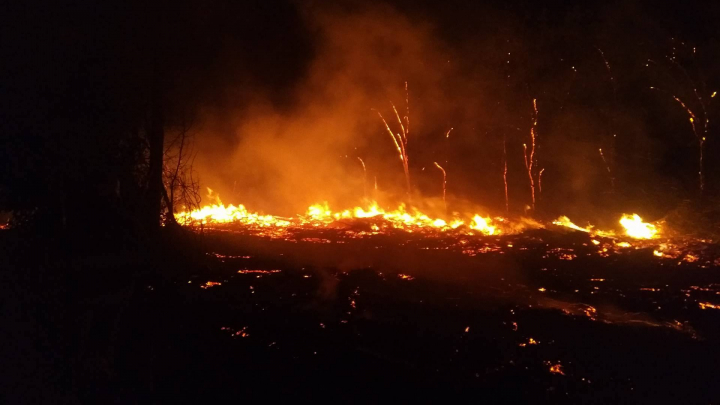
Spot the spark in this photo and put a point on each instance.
(607, 167)
(400, 139)
(700, 137)
(407, 108)
(530, 159)
(258, 271)
(444, 183)
(507, 201)
(364, 177)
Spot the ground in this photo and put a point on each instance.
(540, 317)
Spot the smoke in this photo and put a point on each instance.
(288, 158)
(477, 76)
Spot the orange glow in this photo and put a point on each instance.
(258, 271)
(557, 369)
(636, 228)
(706, 305)
(320, 216)
(566, 222)
(633, 225)
(210, 284)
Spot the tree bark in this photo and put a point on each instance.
(156, 138)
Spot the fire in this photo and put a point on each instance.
(210, 284)
(566, 222)
(219, 213)
(482, 224)
(320, 215)
(633, 225)
(706, 305)
(636, 228)
(404, 217)
(557, 369)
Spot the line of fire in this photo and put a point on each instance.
(366, 202)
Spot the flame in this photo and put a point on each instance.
(633, 225)
(566, 222)
(320, 215)
(404, 217)
(636, 228)
(706, 305)
(219, 213)
(482, 224)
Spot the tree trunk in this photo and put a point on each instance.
(156, 137)
(170, 207)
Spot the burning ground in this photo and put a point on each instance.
(548, 315)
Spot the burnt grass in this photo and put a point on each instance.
(325, 317)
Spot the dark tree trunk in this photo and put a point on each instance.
(156, 137)
(170, 218)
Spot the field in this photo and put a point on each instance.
(541, 317)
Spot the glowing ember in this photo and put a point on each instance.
(210, 284)
(242, 332)
(406, 277)
(557, 369)
(706, 305)
(258, 271)
(636, 228)
(530, 341)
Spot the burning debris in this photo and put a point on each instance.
(242, 332)
(210, 284)
(708, 305)
(556, 368)
(245, 271)
(530, 342)
(409, 219)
